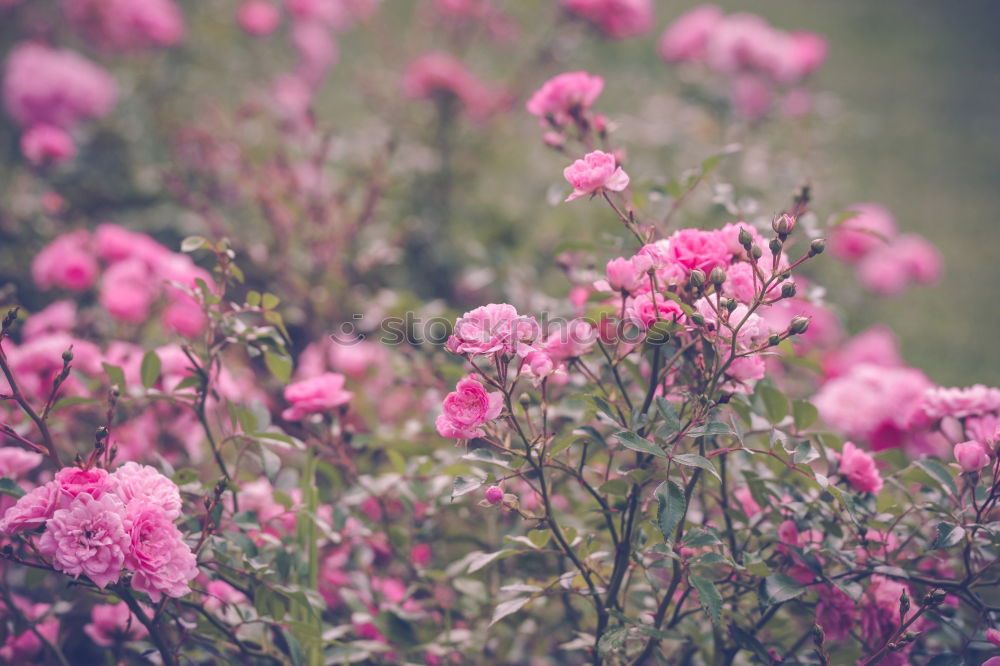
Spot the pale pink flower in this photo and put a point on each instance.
(16, 462)
(133, 481)
(66, 262)
(694, 248)
(158, 557)
(219, 593)
(687, 37)
(317, 394)
(751, 97)
(54, 87)
(921, 258)
(32, 510)
(993, 636)
(747, 503)
(467, 408)
(496, 327)
(57, 317)
(258, 17)
(317, 49)
(646, 309)
(127, 291)
(575, 339)
(88, 538)
(808, 53)
(744, 42)
(113, 623)
(114, 243)
(626, 274)
(938, 402)
(126, 25)
(47, 144)
(539, 365)
(871, 227)
(616, 18)
(741, 283)
(26, 647)
(860, 469)
(595, 173)
(185, 315)
(876, 346)
(971, 456)
(73, 481)
(565, 96)
(880, 616)
(437, 72)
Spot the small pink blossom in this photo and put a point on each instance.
(160, 560)
(860, 469)
(113, 623)
(747, 503)
(876, 346)
(126, 25)
(616, 18)
(494, 495)
(420, 554)
(258, 17)
(47, 144)
(971, 456)
(565, 96)
(467, 408)
(73, 481)
(570, 341)
(646, 309)
(836, 613)
(993, 636)
(626, 274)
(57, 317)
(185, 315)
(66, 262)
(687, 37)
(32, 510)
(871, 227)
(219, 593)
(595, 173)
(87, 538)
(317, 394)
(127, 291)
(14, 463)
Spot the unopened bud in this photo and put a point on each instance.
(101, 434)
(819, 636)
(817, 247)
(783, 225)
(524, 399)
(799, 325)
(115, 391)
(208, 502)
(935, 598)
(904, 605)
(756, 252)
(659, 333)
(10, 317)
(67, 355)
(774, 340)
(774, 246)
(697, 318)
(717, 276)
(730, 305)
(697, 278)
(788, 290)
(745, 238)
(494, 495)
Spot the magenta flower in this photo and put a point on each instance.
(316, 394)
(616, 18)
(162, 563)
(694, 248)
(494, 495)
(596, 172)
(32, 510)
(971, 456)
(860, 470)
(88, 538)
(47, 144)
(73, 481)
(564, 96)
(467, 408)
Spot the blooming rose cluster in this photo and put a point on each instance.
(617, 19)
(886, 262)
(439, 73)
(136, 272)
(49, 93)
(757, 58)
(102, 526)
(126, 25)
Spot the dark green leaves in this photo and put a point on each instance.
(149, 371)
(775, 403)
(694, 460)
(709, 597)
(778, 588)
(632, 441)
(8, 487)
(672, 507)
(947, 536)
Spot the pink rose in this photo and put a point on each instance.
(258, 17)
(859, 468)
(420, 555)
(438, 72)
(872, 226)
(32, 510)
(127, 291)
(66, 262)
(496, 327)
(126, 25)
(836, 612)
(47, 144)
(627, 274)
(88, 538)
(575, 339)
(694, 248)
(993, 636)
(751, 96)
(876, 346)
(808, 53)
(56, 318)
(16, 462)
(494, 495)
(687, 37)
(162, 563)
(133, 481)
(73, 481)
(596, 172)
(564, 96)
(318, 394)
(113, 623)
(467, 408)
(971, 456)
(616, 18)
(185, 315)
(747, 503)
(646, 309)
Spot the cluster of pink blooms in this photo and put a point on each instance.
(49, 92)
(102, 526)
(617, 19)
(886, 262)
(27, 646)
(136, 272)
(112, 624)
(439, 73)
(126, 25)
(758, 58)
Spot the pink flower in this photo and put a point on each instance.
(57, 317)
(219, 593)
(113, 623)
(258, 17)
(687, 37)
(747, 503)
(937, 402)
(596, 172)
(788, 533)
(871, 227)
(876, 346)
(438, 73)
(47, 144)
(32, 510)
(694, 248)
(570, 341)
(87, 538)
(971, 456)
(73, 481)
(880, 616)
(565, 96)
(616, 18)
(836, 613)
(133, 481)
(494, 495)
(993, 636)
(317, 49)
(751, 96)
(808, 53)
(54, 87)
(66, 262)
(467, 408)
(921, 258)
(496, 327)
(646, 309)
(160, 560)
(126, 25)
(16, 462)
(127, 291)
(420, 554)
(859, 468)
(185, 315)
(626, 274)
(318, 394)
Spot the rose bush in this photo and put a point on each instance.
(244, 419)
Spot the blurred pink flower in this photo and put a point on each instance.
(871, 227)
(126, 25)
(47, 144)
(113, 623)
(616, 18)
(66, 262)
(314, 395)
(258, 17)
(687, 37)
(971, 456)
(565, 96)
(32, 510)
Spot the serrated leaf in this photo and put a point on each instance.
(632, 441)
(947, 536)
(463, 485)
(612, 639)
(8, 487)
(708, 597)
(615, 487)
(804, 414)
(671, 420)
(280, 366)
(775, 403)
(778, 588)
(508, 608)
(672, 507)
(149, 371)
(694, 460)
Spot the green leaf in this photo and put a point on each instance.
(804, 414)
(396, 629)
(694, 460)
(280, 366)
(712, 428)
(8, 487)
(673, 506)
(508, 607)
(671, 420)
(775, 403)
(479, 560)
(614, 487)
(709, 597)
(115, 374)
(149, 371)
(269, 301)
(947, 536)
(632, 441)
(464, 485)
(73, 401)
(612, 639)
(192, 243)
(805, 453)
(778, 588)
(939, 473)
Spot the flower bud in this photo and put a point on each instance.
(745, 238)
(101, 433)
(799, 325)
(783, 225)
(524, 399)
(774, 246)
(817, 247)
(717, 276)
(697, 318)
(494, 495)
(971, 456)
(904, 606)
(10, 317)
(756, 252)
(67, 355)
(935, 598)
(788, 290)
(697, 278)
(730, 305)
(774, 340)
(819, 636)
